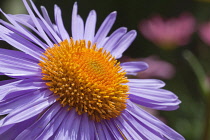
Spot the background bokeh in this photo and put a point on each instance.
(190, 118)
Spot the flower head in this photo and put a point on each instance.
(169, 33)
(72, 86)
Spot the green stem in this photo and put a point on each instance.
(204, 87)
(199, 72)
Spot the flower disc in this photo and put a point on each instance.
(85, 78)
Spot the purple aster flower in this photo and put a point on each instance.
(169, 33)
(71, 87)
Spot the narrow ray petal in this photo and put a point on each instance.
(105, 28)
(154, 98)
(145, 83)
(90, 26)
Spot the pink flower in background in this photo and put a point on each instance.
(168, 33)
(158, 68)
(204, 32)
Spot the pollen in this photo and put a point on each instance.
(86, 78)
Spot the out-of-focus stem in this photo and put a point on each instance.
(204, 87)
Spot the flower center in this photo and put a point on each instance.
(85, 78)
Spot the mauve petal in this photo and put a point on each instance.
(7, 82)
(38, 26)
(129, 132)
(80, 27)
(7, 106)
(53, 125)
(25, 33)
(114, 38)
(11, 70)
(17, 88)
(123, 44)
(75, 124)
(145, 83)
(86, 131)
(134, 67)
(12, 133)
(154, 98)
(114, 130)
(90, 26)
(105, 28)
(63, 132)
(4, 128)
(27, 21)
(21, 62)
(102, 132)
(20, 43)
(74, 22)
(29, 110)
(48, 28)
(46, 16)
(37, 128)
(144, 131)
(18, 54)
(152, 122)
(99, 131)
(59, 22)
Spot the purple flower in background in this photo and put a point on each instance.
(168, 33)
(204, 32)
(71, 87)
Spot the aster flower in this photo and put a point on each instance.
(71, 87)
(169, 33)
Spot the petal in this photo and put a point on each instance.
(145, 83)
(37, 128)
(13, 59)
(20, 43)
(126, 129)
(80, 27)
(74, 22)
(6, 106)
(48, 27)
(90, 26)
(30, 110)
(114, 38)
(27, 21)
(19, 29)
(12, 133)
(34, 19)
(46, 16)
(105, 28)
(59, 22)
(123, 44)
(18, 88)
(114, 130)
(154, 98)
(18, 54)
(87, 130)
(102, 132)
(151, 122)
(140, 128)
(134, 67)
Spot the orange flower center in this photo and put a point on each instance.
(85, 78)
